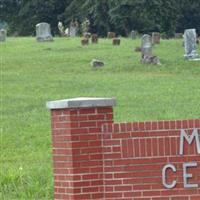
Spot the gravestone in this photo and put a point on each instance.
(190, 38)
(73, 28)
(73, 31)
(84, 41)
(155, 38)
(146, 51)
(116, 41)
(3, 34)
(133, 35)
(111, 35)
(43, 32)
(146, 47)
(94, 38)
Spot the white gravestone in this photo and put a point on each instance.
(3, 34)
(146, 51)
(190, 38)
(146, 46)
(43, 32)
(73, 31)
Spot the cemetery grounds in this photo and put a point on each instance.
(33, 73)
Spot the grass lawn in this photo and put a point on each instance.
(33, 73)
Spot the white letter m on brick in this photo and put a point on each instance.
(189, 140)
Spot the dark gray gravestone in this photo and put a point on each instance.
(43, 32)
(156, 38)
(3, 34)
(190, 38)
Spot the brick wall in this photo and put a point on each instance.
(95, 158)
(136, 153)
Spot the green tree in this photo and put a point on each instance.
(98, 13)
(36, 11)
(190, 15)
(121, 16)
(144, 15)
(8, 13)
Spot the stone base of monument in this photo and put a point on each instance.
(194, 59)
(46, 39)
(150, 59)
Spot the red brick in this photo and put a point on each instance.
(94, 158)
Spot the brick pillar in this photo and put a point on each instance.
(77, 146)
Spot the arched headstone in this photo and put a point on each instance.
(43, 32)
(146, 47)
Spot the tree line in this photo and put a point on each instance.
(120, 16)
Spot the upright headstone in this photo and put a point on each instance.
(85, 41)
(73, 29)
(3, 34)
(116, 41)
(155, 38)
(43, 32)
(111, 35)
(190, 38)
(146, 51)
(94, 38)
(133, 35)
(146, 47)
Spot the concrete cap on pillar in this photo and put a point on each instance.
(81, 102)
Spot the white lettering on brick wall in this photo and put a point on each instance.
(186, 176)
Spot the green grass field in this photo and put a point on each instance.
(33, 73)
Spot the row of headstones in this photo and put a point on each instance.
(190, 45)
(43, 33)
(155, 36)
(95, 38)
